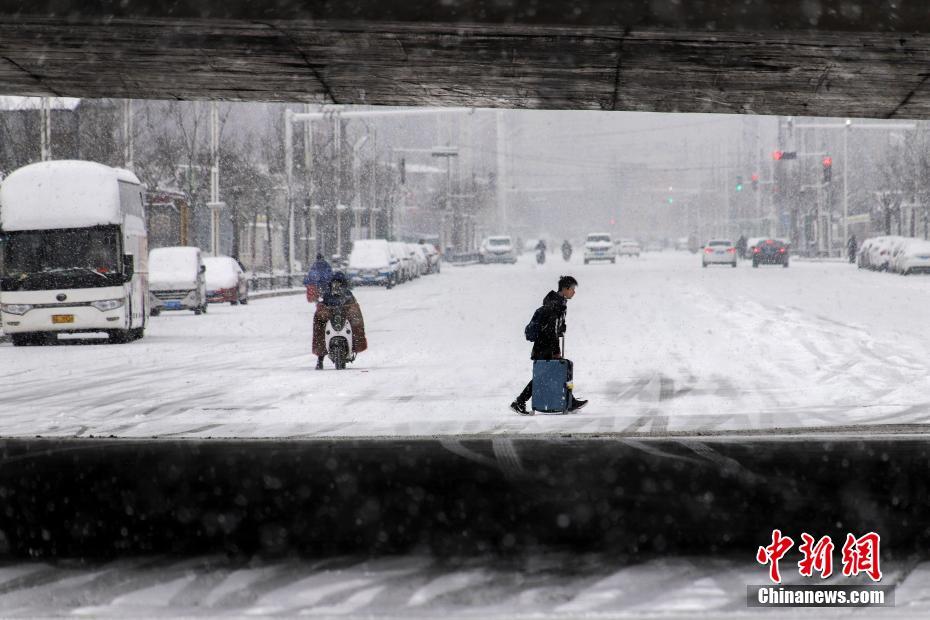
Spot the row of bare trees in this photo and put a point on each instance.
(171, 151)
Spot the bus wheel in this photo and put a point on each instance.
(27, 339)
(120, 336)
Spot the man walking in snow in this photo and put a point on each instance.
(551, 319)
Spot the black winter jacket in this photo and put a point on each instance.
(552, 325)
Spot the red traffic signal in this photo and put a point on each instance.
(755, 178)
(777, 155)
(827, 161)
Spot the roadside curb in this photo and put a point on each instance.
(279, 293)
(258, 295)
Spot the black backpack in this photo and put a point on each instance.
(534, 327)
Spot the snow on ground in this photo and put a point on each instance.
(659, 344)
(542, 585)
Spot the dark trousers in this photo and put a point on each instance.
(527, 393)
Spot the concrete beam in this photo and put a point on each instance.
(762, 58)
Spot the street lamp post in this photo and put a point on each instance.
(340, 209)
(357, 199)
(448, 152)
(316, 210)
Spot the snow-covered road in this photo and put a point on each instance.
(544, 585)
(660, 346)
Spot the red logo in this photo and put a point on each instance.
(817, 557)
(860, 555)
(773, 553)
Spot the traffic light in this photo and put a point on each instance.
(827, 169)
(739, 184)
(755, 182)
(780, 155)
(403, 171)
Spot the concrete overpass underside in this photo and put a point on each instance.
(826, 58)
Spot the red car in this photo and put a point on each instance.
(226, 281)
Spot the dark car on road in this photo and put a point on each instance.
(770, 252)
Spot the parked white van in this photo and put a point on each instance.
(176, 280)
(74, 252)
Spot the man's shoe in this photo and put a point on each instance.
(520, 408)
(577, 404)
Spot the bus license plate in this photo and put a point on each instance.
(62, 318)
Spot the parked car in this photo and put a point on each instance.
(719, 252)
(498, 249)
(225, 280)
(770, 252)
(913, 257)
(420, 261)
(629, 248)
(404, 262)
(895, 248)
(433, 256)
(599, 246)
(880, 252)
(371, 262)
(176, 280)
(862, 256)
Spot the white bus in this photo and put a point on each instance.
(73, 252)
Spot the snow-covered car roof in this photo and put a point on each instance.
(370, 254)
(173, 261)
(222, 271)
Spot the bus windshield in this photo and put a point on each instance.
(82, 253)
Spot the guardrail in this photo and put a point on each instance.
(269, 282)
(463, 258)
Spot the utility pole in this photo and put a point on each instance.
(309, 226)
(45, 120)
(127, 135)
(289, 179)
(215, 205)
(501, 170)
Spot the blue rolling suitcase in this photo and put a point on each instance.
(552, 385)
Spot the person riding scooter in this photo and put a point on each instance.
(317, 279)
(566, 250)
(337, 297)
